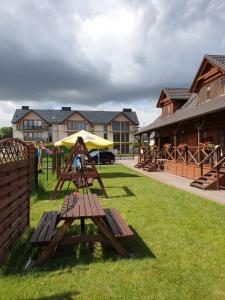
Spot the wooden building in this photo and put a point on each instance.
(190, 133)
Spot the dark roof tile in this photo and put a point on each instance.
(177, 93)
(58, 116)
(190, 110)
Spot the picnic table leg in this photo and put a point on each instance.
(82, 226)
(109, 236)
(51, 247)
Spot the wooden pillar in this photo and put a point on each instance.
(159, 141)
(199, 126)
(58, 162)
(175, 141)
(148, 136)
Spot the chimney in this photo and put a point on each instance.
(66, 108)
(25, 107)
(127, 110)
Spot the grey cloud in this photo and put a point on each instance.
(42, 56)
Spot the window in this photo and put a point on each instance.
(202, 94)
(117, 147)
(116, 137)
(120, 126)
(216, 88)
(115, 126)
(32, 136)
(124, 126)
(124, 148)
(208, 89)
(105, 135)
(76, 125)
(125, 137)
(222, 86)
(32, 124)
(105, 128)
(166, 110)
(205, 93)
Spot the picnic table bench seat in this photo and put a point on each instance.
(45, 230)
(116, 224)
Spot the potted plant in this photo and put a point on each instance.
(182, 147)
(166, 147)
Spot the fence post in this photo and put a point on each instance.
(32, 171)
(58, 162)
(53, 161)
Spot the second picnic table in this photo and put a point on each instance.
(76, 206)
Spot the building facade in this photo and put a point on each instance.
(49, 126)
(190, 131)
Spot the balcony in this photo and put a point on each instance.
(32, 127)
(35, 139)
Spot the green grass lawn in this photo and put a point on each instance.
(179, 248)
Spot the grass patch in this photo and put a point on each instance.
(178, 246)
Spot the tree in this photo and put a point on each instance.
(6, 132)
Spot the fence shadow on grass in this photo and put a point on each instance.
(45, 194)
(128, 192)
(118, 175)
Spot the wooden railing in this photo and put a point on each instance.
(212, 158)
(218, 167)
(193, 154)
(187, 155)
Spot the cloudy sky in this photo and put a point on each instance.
(102, 54)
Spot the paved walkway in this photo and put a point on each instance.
(178, 182)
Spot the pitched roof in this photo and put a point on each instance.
(177, 93)
(190, 110)
(58, 116)
(173, 94)
(218, 60)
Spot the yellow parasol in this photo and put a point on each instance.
(91, 140)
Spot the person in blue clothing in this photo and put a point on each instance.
(77, 162)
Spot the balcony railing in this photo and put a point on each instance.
(31, 127)
(35, 139)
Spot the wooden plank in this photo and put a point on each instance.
(13, 165)
(11, 208)
(101, 211)
(111, 222)
(13, 187)
(121, 222)
(39, 228)
(118, 223)
(82, 209)
(48, 227)
(14, 176)
(87, 206)
(4, 201)
(92, 205)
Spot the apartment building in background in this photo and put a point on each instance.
(49, 126)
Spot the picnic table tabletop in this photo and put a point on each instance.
(77, 206)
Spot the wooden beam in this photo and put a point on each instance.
(208, 74)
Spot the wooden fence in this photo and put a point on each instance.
(17, 178)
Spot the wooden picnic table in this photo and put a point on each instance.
(76, 206)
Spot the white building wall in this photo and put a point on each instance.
(99, 130)
(17, 134)
(58, 132)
